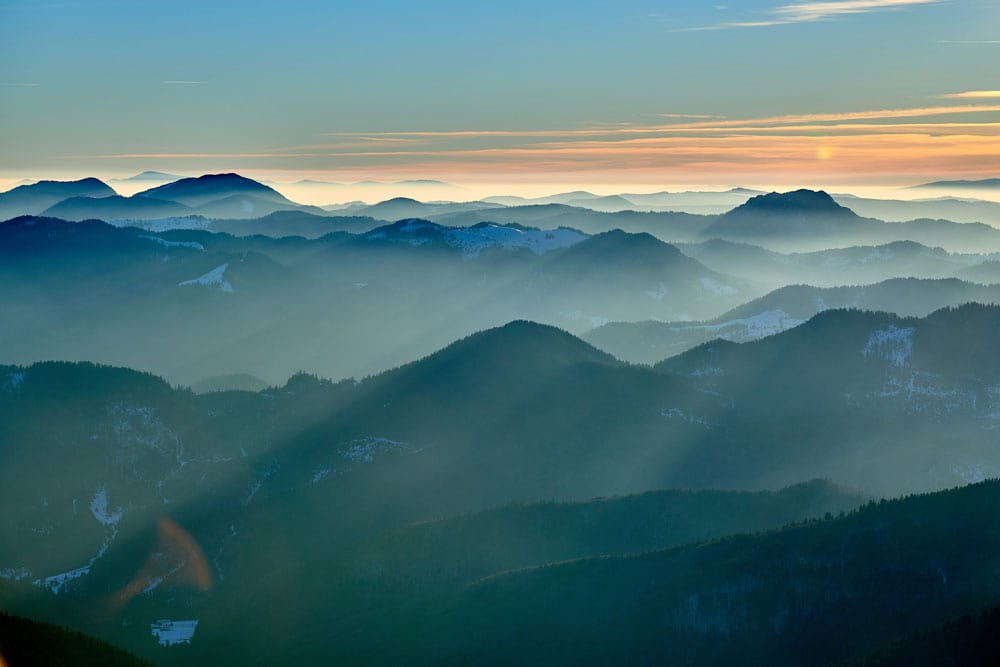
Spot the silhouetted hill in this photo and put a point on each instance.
(35, 198)
(401, 208)
(790, 214)
(807, 220)
(210, 187)
(115, 208)
(499, 356)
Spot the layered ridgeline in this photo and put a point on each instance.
(810, 595)
(794, 221)
(35, 198)
(783, 309)
(211, 196)
(341, 305)
(323, 503)
(528, 412)
(807, 220)
(352, 303)
(855, 265)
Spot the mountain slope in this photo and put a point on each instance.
(340, 305)
(802, 596)
(114, 208)
(787, 215)
(25, 643)
(35, 198)
(785, 308)
(807, 220)
(856, 265)
(210, 187)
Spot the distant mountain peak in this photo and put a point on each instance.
(89, 186)
(400, 200)
(520, 343)
(797, 201)
(638, 246)
(778, 214)
(199, 190)
(985, 183)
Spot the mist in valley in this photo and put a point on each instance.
(427, 333)
(395, 418)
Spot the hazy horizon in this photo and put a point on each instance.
(327, 190)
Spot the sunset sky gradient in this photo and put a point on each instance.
(642, 94)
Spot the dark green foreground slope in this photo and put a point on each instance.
(25, 643)
(807, 595)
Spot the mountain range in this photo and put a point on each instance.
(270, 301)
(783, 309)
(904, 405)
(577, 429)
(794, 221)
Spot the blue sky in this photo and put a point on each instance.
(327, 89)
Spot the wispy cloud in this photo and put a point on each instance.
(808, 12)
(973, 95)
(181, 82)
(729, 125)
(694, 116)
(818, 11)
(867, 144)
(21, 85)
(969, 41)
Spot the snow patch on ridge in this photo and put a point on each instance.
(473, 240)
(214, 278)
(677, 413)
(892, 343)
(15, 573)
(99, 508)
(365, 450)
(970, 473)
(57, 582)
(14, 380)
(194, 245)
(763, 324)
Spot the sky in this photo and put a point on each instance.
(505, 96)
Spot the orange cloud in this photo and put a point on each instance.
(973, 95)
(899, 144)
